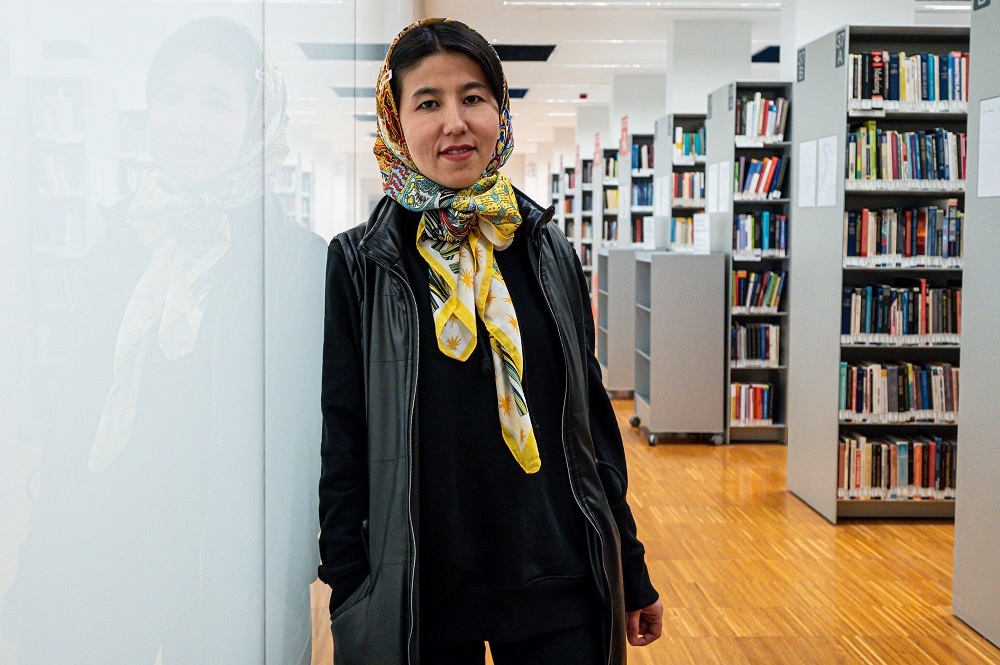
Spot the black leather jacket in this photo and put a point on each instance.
(368, 493)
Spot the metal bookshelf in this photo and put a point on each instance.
(824, 110)
(724, 151)
(616, 318)
(680, 355)
(976, 590)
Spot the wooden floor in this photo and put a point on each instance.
(748, 574)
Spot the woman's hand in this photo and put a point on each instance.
(644, 626)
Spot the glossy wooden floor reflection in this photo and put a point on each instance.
(748, 574)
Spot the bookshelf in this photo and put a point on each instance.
(679, 352)
(877, 287)
(295, 189)
(135, 160)
(607, 231)
(748, 158)
(976, 589)
(588, 197)
(566, 214)
(684, 178)
(71, 165)
(616, 318)
(635, 186)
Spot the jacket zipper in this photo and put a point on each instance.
(569, 471)
(409, 457)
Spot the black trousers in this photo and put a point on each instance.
(574, 646)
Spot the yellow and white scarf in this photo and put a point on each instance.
(458, 233)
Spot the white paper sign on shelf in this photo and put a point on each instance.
(649, 232)
(661, 205)
(725, 185)
(702, 243)
(826, 172)
(989, 147)
(807, 174)
(712, 188)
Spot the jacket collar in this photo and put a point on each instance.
(390, 225)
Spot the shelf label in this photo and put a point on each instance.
(980, 4)
(840, 49)
(801, 73)
(732, 95)
(708, 115)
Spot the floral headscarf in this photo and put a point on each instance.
(457, 235)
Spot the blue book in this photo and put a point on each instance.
(783, 234)
(869, 303)
(845, 310)
(843, 385)
(925, 396)
(893, 76)
(765, 224)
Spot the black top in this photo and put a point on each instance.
(502, 553)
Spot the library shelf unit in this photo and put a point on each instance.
(680, 356)
(616, 318)
(859, 235)
(684, 177)
(756, 251)
(569, 206)
(72, 163)
(589, 196)
(606, 230)
(635, 184)
(976, 588)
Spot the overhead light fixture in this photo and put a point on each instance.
(646, 4)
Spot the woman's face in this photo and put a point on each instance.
(197, 120)
(450, 119)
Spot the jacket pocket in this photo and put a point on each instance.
(612, 481)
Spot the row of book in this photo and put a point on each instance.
(901, 315)
(762, 234)
(896, 467)
(609, 168)
(609, 230)
(934, 154)
(59, 174)
(898, 392)
(759, 116)
(587, 177)
(642, 193)
(570, 180)
(568, 205)
(759, 177)
(586, 256)
(893, 76)
(637, 229)
(54, 113)
(689, 143)
(59, 230)
(757, 292)
(681, 231)
(587, 202)
(611, 198)
(642, 155)
(689, 185)
(751, 404)
(570, 229)
(907, 238)
(755, 345)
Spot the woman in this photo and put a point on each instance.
(473, 481)
(197, 310)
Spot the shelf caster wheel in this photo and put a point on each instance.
(652, 439)
(717, 439)
(634, 421)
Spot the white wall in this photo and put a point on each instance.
(639, 96)
(695, 70)
(802, 21)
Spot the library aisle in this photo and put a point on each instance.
(749, 574)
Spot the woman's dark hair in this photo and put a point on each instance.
(227, 40)
(444, 37)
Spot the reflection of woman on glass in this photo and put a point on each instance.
(473, 484)
(150, 519)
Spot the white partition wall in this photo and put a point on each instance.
(976, 596)
(162, 323)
